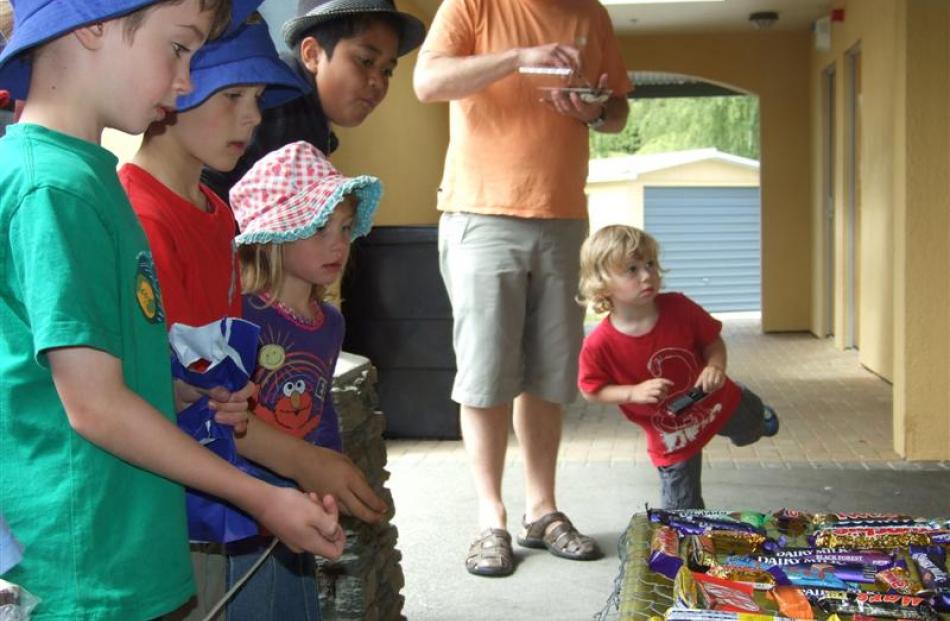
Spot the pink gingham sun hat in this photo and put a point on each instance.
(290, 193)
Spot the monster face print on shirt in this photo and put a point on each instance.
(292, 386)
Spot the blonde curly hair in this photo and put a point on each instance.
(606, 252)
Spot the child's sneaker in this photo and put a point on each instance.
(770, 422)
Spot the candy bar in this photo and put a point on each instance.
(878, 605)
(821, 519)
(664, 552)
(931, 565)
(695, 614)
(821, 576)
(760, 579)
(898, 580)
(865, 538)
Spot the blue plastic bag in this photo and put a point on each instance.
(229, 347)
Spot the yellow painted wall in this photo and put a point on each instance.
(922, 228)
(403, 142)
(903, 302)
(775, 67)
(870, 26)
(620, 201)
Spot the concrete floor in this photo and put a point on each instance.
(834, 453)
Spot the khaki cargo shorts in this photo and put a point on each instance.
(512, 283)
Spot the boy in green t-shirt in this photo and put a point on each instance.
(88, 449)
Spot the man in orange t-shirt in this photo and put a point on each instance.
(514, 216)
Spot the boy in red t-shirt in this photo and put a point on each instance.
(651, 353)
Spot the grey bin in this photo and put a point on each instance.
(398, 315)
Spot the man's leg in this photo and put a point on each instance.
(485, 435)
(538, 428)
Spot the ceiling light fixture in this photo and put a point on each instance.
(763, 20)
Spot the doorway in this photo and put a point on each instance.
(853, 199)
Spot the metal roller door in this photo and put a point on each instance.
(709, 243)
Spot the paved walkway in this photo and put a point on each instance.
(834, 413)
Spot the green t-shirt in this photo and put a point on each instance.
(102, 539)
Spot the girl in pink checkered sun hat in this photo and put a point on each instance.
(298, 215)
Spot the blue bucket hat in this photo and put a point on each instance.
(37, 21)
(247, 56)
(240, 11)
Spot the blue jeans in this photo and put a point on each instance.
(284, 588)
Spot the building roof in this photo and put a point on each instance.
(630, 167)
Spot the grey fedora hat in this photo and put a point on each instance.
(313, 12)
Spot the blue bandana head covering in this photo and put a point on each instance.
(246, 57)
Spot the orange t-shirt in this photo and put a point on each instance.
(510, 154)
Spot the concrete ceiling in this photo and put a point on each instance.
(691, 16)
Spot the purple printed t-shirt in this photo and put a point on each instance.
(295, 371)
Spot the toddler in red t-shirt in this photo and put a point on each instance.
(651, 354)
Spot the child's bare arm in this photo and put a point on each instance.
(651, 391)
(315, 469)
(114, 418)
(713, 375)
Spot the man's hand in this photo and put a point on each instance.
(550, 55)
(328, 472)
(571, 104)
(651, 391)
(230, 408)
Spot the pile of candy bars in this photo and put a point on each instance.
(792, 565)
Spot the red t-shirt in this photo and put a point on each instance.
(672, 350)
(193, 250)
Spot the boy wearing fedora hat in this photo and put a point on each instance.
(347, 51)
(91, 461)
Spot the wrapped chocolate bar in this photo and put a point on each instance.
(695, 590)
(760, 579)
(695, 523)
(881, 605)
(700, 552)
(931, 566)
(735, 542)
(832, 556)
(898, 580)
(860, 519)
(872, 538)
(664, 552)
(792, 522)
(791, 602)
(751, 518)
(820, 576)
(695, 614)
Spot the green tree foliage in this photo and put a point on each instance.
(731, 124)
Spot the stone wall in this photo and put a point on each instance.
(364, 584)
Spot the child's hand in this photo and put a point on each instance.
(302, 522)
(651, 391)
(231, 408)
(329, 472)
(711, 379)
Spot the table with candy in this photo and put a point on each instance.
(786, 565)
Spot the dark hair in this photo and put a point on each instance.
(331, 32)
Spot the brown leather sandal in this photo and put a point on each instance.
(555, 532)
(491, 554)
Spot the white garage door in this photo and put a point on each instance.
(709, 243)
